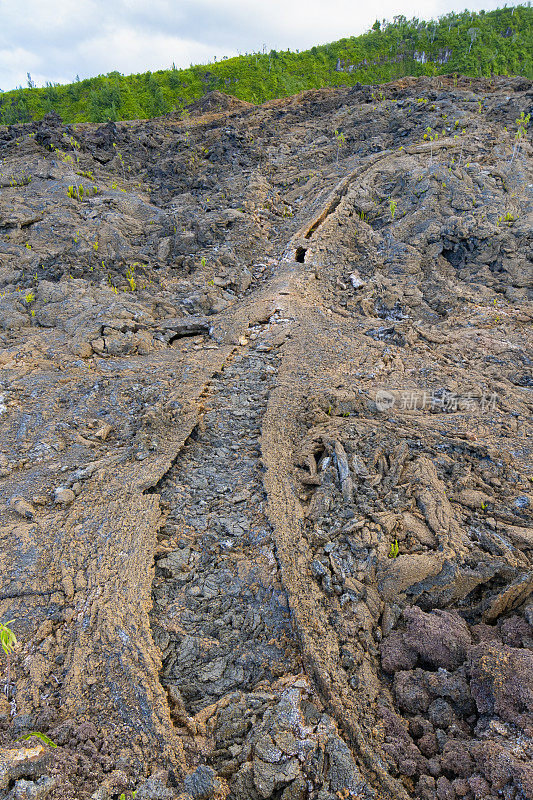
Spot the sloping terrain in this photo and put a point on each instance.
(483, 44)
(266, 435)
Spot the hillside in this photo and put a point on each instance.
(477, 44)
(266, 449)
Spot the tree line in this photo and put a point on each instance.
(480, 44)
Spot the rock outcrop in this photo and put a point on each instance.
(265, 425)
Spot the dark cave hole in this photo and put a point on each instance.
(300, 254)
(318, 456)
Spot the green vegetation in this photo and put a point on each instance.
(480, 44)
(8, 642)
(521, 132)
(79, 192)
(432, 136)
(130, 277)
(394, 551)
(508, 219)
(341, 141)
(41, 736)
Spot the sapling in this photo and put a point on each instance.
(521, 131)
(462, 147)
(394, 551)
(119, 156)
(341, 141)
(38, 735)
(432, 136)
(8, 642)
(131, 279)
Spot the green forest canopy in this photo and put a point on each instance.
(478, 44)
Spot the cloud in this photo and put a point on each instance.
(20, 60)
(59, 39)
(137, 51)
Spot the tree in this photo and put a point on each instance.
(472, 32)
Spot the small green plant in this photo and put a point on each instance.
(76, 192)
(29, 298)
(95, 245)
(508, 218)
(119, 156)
(394, 551)
(38, 735)
(24, 180)
(130, 278)
(521, 132)
(393, 205)
(341, 141)
(432, 136)
(8, 642)
(203, 261)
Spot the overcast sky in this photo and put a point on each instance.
(55, 40)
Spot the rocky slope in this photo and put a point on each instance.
(265, 433)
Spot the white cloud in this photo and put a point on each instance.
(130, 50)
(16, 62)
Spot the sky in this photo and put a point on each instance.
(55, 40)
